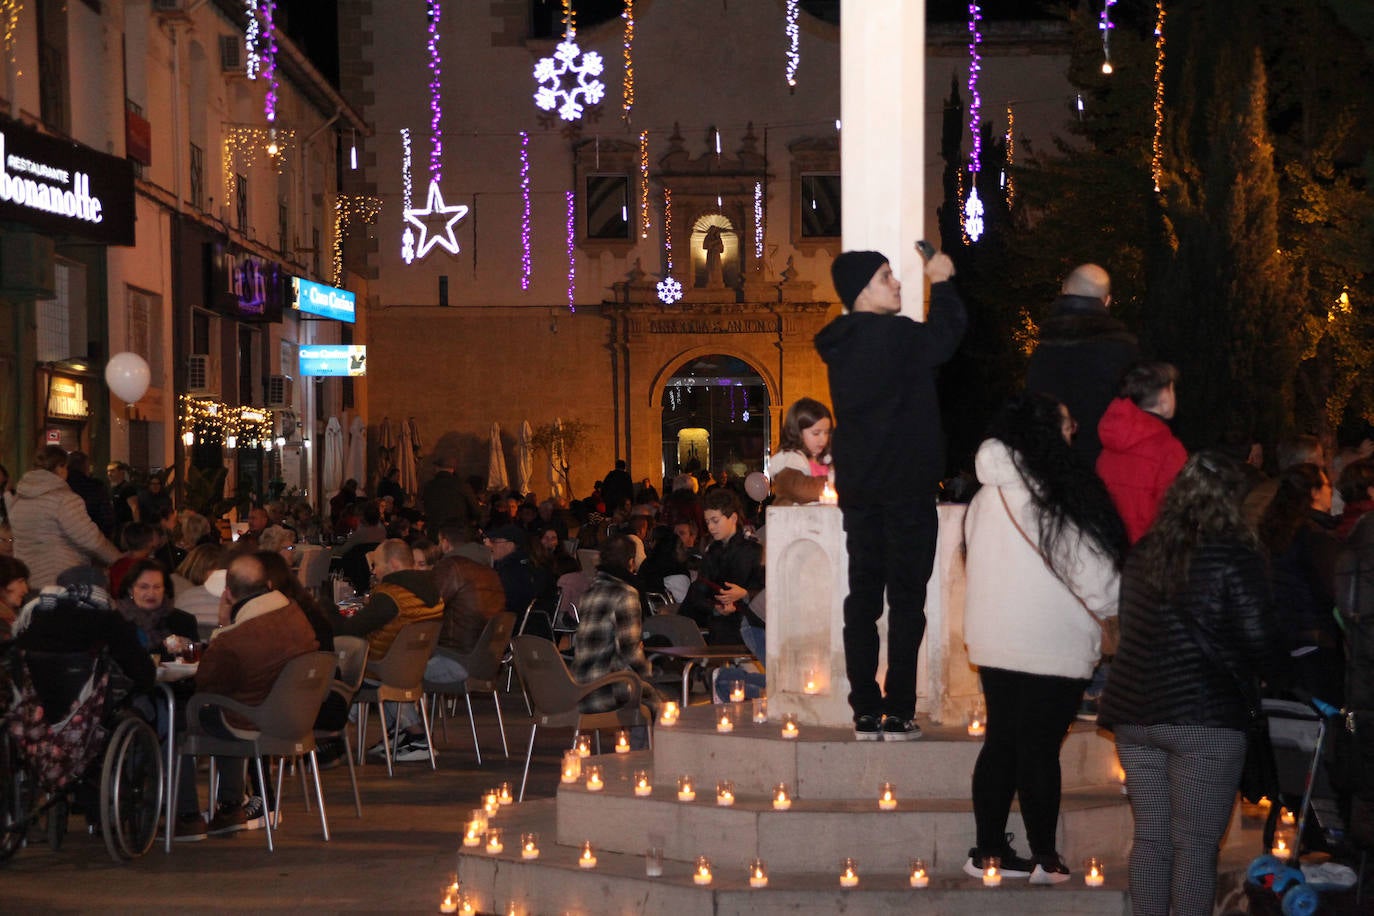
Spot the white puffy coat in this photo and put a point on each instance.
(52, 531)
(1017, 614)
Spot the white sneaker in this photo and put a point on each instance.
(1049, 870)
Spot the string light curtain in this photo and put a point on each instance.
(526, 262)
(628, 100)
(1157, 143)
(973, 207)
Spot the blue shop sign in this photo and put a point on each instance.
(333, 359)
(325, 301)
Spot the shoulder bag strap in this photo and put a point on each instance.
(1210, 653)
(1044, 559)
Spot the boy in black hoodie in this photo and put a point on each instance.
(889, 456)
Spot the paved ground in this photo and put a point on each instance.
(395, 859)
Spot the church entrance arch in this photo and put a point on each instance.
(715, 417)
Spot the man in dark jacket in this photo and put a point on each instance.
(448, 498)
(520, 578)
(99, 505)
(889, 457)
(731, 573)
(1081, 354)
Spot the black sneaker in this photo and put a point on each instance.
(868, 728)
(895, 729)
(1013, 866)
(1049, 870)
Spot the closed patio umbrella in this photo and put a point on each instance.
(558, 464)
(524, 458)
(497, 478)
(332, 472)
(405, 457)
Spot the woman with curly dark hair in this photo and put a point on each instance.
(1297, 531)
(1044, 551)
(1197, 627)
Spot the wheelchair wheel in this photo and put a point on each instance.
(131, 786)
(16, 793)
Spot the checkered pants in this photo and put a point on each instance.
(1182, 781)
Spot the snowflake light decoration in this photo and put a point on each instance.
(669, 290)
(973, 215)
(555, 73)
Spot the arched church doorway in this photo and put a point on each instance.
(715, 417)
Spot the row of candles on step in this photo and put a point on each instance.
(733, 712)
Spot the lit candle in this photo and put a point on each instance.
(472, 837)
(789, 727)
(449, 904)
(685, 790)
(572, 767)
(887, 801)
(781, 800)
(529, 845)
(760, 710)
(737, 693)
(701, 874)
(468, 908)
(491, 802)
(919, 876)
(1280, 849)
(1264, 802)
(622, 742)
(849, 873)
(588, 858)
(1093, 874)
(809, 683)
(583, 746)
(828, 495)
(1287, 818)
(594, 782)
(642, 785)
(992, 871)
(494, 844)
(976, 727)
(503, 794)
(725, 793)
(757, 876)
(723, 723)
(668, 716)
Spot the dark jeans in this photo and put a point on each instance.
(1028, 717)
(892, 549)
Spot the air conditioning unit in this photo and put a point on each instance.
(202, 377)
(231, 54)
(278, 391)
(172, 7)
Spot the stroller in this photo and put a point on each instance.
(68, 740)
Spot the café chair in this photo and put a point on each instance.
(555, 696)
(483, 665)
(351, 652)
(283, 726)
(398, 677)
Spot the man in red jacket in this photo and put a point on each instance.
(1140, 455)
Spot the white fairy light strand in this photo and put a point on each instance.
(407, 237)
(793, 42)
(758, 223)
(525, 259)
(973, 207)
(572, 252)
(669, 289)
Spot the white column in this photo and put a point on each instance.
(882, 136)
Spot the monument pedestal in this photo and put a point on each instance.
(808, 579)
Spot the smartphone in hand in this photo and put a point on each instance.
(926, 249)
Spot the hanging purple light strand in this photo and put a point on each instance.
(975, 67)
(269, 65)
(525, 264)
(1105, 26)
(436, 149)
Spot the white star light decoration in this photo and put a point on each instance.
(669, 290)
(552, 74)
(434, 212)
(973, 215)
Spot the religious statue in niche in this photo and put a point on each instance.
(714, 245)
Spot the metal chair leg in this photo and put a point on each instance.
(386, 742)
(319, 794)
(352, 774)
(502, 725)
(429, 736)
(362, 731)
(472, 721)
(267, 819)
(529, 752)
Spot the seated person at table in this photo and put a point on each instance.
(472, 595)
(146, 599)
(198, 588)
(261, 631)
(401, 595)
(731, 573)
(522, 580)
(610, 634)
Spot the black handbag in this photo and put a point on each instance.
(1259, 775)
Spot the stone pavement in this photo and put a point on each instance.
(395, 859)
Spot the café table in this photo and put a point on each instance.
(169, 673)
(703, 655)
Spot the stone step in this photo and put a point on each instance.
(827, 763)
(1093, 822)
(554, 884)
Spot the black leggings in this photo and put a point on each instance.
(1028, 717)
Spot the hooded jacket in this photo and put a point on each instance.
(52, 531)
(1079, 360)
(1018, 615)
(1140, 459)
(882, 387)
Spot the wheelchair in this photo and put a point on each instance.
(71, 740)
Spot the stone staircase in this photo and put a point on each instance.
(834, 783)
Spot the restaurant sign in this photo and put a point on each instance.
(326, 301)
(61, 187)
(67, 399)
(333, 359)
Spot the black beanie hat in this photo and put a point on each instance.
(852, 271)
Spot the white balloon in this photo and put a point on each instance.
(128, 376)
(756, 485)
